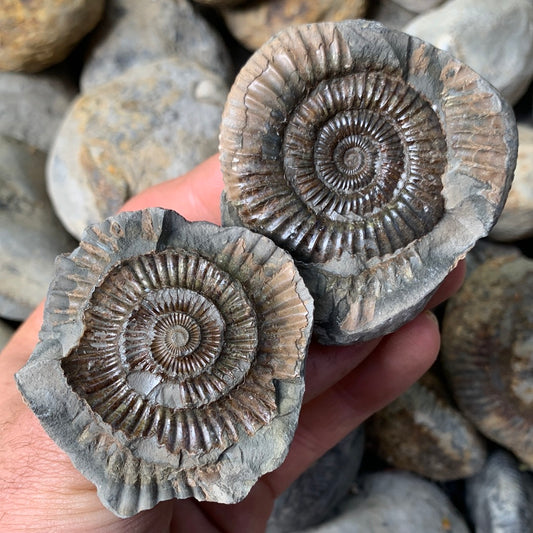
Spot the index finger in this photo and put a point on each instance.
(195, 195)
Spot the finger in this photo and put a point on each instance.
(195, 195)
(399, 360)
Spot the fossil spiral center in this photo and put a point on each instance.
(177, 337)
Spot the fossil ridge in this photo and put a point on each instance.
(170, 361)
(374, 158)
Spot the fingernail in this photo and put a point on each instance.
(432, 316)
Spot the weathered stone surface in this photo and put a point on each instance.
(396, 502)
(422, 432)
(201, 333)
(500, 497)
(41, 33)
(5, 333)
(32, 106)
(487, 351)
(377, 162)
(418, 6)
(30, 235)
(494, 38)
(486, 249)
(153, 123)
(516, 220)
(313, 497)
(390, 14)
(254, 23)
(135, 32)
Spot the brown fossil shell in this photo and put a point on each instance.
(171, 358)
(422, 432)
(487, 351)
(374, 158)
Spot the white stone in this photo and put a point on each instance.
(494, 37)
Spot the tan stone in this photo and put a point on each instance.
(36, 34)
(253, 23)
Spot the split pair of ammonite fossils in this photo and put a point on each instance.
(171, 356)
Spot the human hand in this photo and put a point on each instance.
(40, 490)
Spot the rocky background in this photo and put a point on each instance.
(100, 100)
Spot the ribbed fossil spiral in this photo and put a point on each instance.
(349, 145)
(174, 355)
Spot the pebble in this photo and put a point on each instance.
(395, 502)
(516, 220)
(30, 235)
(421, 431)
(313, 497)
(32, 106)
(419, 6)
(5, 333)
(390, 14)
(41, 33)
(153, 123)
(136, 32)
(495, 38)
(254, 23)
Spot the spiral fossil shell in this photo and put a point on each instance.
(487, 351)
(374, 158)
(171, 359)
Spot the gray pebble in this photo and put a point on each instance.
(136, 32)
(30, 234)
(153, 123)
(495, 38)
(396, 502)
(32, 105)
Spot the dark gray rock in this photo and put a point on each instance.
(5, 333)
(171, 357)
(30, 234)
(153, 123)
(314, 496)
(136, 32)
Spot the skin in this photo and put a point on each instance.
(41, 491)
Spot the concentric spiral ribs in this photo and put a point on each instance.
(372, 157)
(171, 358)
(358, 166)
(487, 351)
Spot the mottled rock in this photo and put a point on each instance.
(30, 235)
(500, 497)
(253, 23)
(485, 250)
(154, 122)
(422, 432)
(390, 14)
(313, 497)
(377, 162)
(495, 38)
(32, 106)
(171, 358)
(418, 6)
(5, 333)
(396, 502)
(516, 220)
(135, 32)
(41, 33)
(487, 351)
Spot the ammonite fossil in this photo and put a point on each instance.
(421, 431)
(374, 158)
(171, 357)
(500, 497)
(487, 351)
